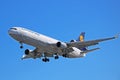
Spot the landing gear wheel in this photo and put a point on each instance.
(56, 57)
(48, 60)
(45, 60)
(21, 47)
(64, 55)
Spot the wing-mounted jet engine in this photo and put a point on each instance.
(31, 54)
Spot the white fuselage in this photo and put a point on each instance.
(34, 39)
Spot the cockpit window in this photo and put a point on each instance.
(14, 28)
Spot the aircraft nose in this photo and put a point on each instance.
(9, 31)
(12, 31)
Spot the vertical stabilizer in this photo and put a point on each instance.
(81, 37)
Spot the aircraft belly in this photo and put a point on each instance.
(71, 55)
(50, 50)
(38, 40)
(76, 56)
(42, 46)
(32, 41)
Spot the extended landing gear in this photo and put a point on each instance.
(45, 59)
(21, 45)
(64, 55)
(56, 56)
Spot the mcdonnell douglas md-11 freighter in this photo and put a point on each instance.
(46, 47)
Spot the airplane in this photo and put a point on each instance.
(46, 47)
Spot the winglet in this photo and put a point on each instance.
(116, 36)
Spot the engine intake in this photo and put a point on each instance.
(58, 44)
(73, 41)
(61, 44)
(27, 51)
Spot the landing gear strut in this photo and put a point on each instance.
(21, 45)
(64, 55)
(56, 56)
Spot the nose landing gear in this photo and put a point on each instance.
(21, 45)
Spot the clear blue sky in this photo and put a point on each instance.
(63, 20)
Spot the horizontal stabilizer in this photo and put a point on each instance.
(90, 50)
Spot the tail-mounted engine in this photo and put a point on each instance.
(61, 44)
(73, 40)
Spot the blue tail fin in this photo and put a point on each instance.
(81, 37)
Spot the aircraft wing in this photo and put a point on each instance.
(89, 43)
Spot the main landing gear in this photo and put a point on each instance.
(64, 55)
(45, 59)
(56, 56)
